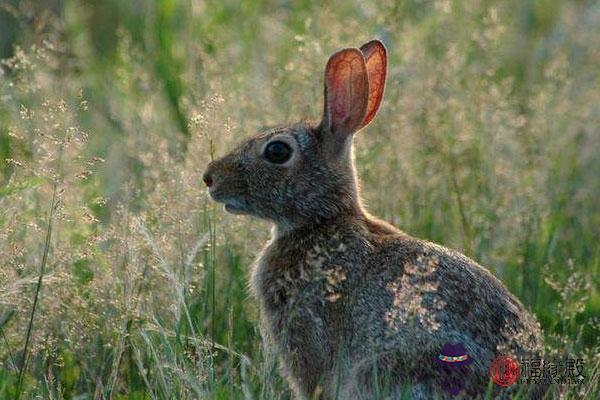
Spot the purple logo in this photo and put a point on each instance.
(454, 363)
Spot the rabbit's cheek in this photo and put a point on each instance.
(226, 188)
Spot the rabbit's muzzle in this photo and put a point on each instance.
(215, 175)
(207, 178)
(226, 185)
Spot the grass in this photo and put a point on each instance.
(38, 289)
(487, 142)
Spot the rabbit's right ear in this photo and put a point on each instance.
(346, 93)
(376, 61)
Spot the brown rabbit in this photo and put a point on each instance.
(356, 308)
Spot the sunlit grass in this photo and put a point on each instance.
(487, 142)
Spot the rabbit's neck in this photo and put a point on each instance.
(338, 205)
(348, 214)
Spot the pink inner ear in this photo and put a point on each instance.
(346, 91)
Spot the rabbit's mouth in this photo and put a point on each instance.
(232, 204)
(235, 209)
(235, 206)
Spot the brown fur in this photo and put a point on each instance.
(352, 305)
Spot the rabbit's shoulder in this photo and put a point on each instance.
(308, 261)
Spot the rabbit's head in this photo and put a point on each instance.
(298, 174)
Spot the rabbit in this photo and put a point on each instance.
(354, 307)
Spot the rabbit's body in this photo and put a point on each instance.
(356, 308)
(392, 301)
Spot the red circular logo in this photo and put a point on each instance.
(505, 371)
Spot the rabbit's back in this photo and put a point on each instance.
(418, 291)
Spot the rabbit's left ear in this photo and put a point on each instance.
(346, 92)
(376, 62)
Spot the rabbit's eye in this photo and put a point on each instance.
(278, 152)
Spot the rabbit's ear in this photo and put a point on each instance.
(346, 92)
(376, 61)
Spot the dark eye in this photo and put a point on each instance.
(278, 152)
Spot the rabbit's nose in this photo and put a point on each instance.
(208, 180)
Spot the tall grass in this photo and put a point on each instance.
(487, 142)
(38, 289)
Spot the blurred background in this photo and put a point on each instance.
(119, 278)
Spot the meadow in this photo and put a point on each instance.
(121, 279)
